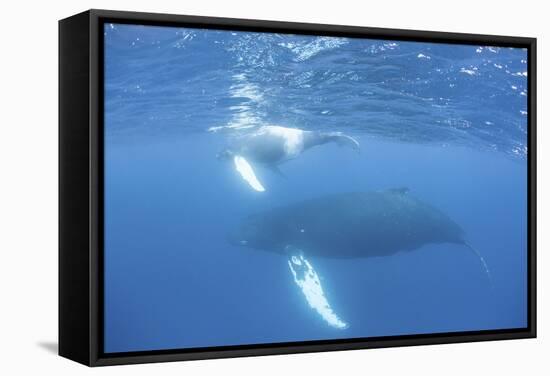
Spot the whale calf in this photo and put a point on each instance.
(347, 225)
(271, 145)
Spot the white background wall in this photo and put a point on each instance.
(28, 185)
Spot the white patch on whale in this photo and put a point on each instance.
(243, 167)
(308, 281)
(293, 138)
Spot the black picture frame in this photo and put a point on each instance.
(81, 197)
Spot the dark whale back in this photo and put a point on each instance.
(349, 225)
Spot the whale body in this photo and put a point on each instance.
(350, 225)
(347, 225)
(271, 145)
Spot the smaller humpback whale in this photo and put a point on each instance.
(271, 145)
(347, 225)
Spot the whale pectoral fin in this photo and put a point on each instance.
(307, 279)
(277, 171)
(247, 173)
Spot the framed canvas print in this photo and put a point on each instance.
(236, 187)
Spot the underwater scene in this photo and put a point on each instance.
(264, 188)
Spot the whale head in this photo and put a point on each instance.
(250, 233)
(264, 233)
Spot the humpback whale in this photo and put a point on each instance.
(271, 145)
(347, 225)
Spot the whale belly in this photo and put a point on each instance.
(273, 144)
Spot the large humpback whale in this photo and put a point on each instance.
(271, 145)
(348, 225)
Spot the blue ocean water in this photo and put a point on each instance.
(447, 121)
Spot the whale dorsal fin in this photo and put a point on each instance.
(247, 173)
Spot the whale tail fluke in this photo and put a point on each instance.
(482, 262)
(343, 140)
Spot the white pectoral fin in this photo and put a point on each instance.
(308, 281)
(245, 169)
